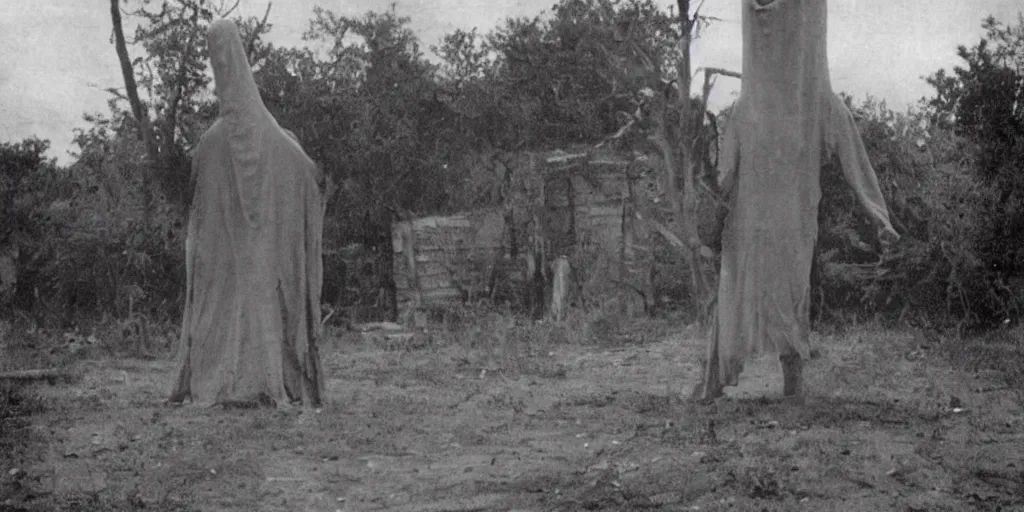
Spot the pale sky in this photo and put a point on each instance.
(56, 56)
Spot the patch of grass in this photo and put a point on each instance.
(503, 343)
(1001, 351)
(22, 403)
(18, 401)
(18, 441)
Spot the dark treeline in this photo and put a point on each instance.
(403, 133)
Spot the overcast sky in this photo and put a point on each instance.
(56, 56)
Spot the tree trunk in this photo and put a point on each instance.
(138, 109)
(678, 153)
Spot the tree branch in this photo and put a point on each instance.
(171, 121)
(685, 208)
(721, 71)
(250, 47)
(138, 110)
(705, 93)
(618, 134)
(231, 10)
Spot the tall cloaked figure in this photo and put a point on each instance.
(785, 124)
(253, 252)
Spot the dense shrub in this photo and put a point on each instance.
(85, 247)
(937, 274)
(403, 135)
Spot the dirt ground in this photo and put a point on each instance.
(888, 425)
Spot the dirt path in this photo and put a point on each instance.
(888, 427)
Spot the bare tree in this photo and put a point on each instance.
(173, 73)
(676, 127)
(138, 108)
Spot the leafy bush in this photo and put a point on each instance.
(32, 189)
(951, 173)
(403, 135)
(938, 273)
(85, 247)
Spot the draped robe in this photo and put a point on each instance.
(251, 321)
(786, 122)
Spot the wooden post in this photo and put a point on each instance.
(560, 288)
(407, 234)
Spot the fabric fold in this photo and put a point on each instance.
(784, 125)
(254, 271)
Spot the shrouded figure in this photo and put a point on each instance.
(253, 252)
(786, 123)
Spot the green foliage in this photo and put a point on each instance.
(34, 195)
(950, 171)
(174, 82)
(23, 189)
(938, 273)
(93, 242)
(82, 248)
(406, 135)
(984, 101)
(387, 149)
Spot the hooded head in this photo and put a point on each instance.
(247, 121)
(785, 60)
(236, 89)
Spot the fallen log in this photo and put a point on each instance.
(49, 374)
